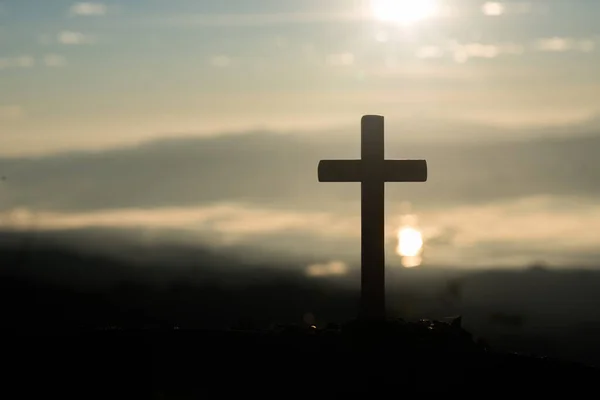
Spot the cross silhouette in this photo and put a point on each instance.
(372, 171)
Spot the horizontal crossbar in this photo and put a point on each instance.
(358, 171)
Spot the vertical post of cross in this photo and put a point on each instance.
(372, 302)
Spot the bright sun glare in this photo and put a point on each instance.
(410, 246)
(403, 11)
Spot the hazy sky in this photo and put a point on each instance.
(93, 74)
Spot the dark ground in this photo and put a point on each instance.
(400, 358)
(92, 326)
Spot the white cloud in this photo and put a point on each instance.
(72, 38)
(563, 44)
(11, 112)
(271, 19)
(23, 61)
(65, 37)
(496, 9)
(493, 8)
(340, 59)
(430, 52)
(462, 52)
(88, 9)
(553, 44)
(54, 60)
(481, 50)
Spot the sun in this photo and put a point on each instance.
(410, 246)
(410, 242)
(403, 11)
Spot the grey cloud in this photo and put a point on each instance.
(444, 238)
(280, 171)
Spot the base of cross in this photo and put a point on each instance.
(403, 336)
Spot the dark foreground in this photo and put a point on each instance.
(383, 361)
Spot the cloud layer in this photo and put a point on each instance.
(88, 9)
(507, 202)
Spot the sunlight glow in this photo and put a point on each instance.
(403, 11)
(410, 242)
(410, 246)
(334, 268)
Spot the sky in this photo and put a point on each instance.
(91, 74)
(77, 77)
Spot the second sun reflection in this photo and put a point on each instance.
(410, 242)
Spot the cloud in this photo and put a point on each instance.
(493, 8)
(462, 52)
(271, 180)
(496, 9)
(65, 37)
(88, 9)
(333, 268)
(280, 170)
(72, 38)
(549, 220)
(354, 14)
(430, 52)
(515, 231)
(261, 190)
(224, 218)
(11, 113)
(559, 229)
(254, 19)
(340, 59)
(24, 61)
(54, 61)
(475, 50)
(563, 44)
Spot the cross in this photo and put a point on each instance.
(372, 171)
